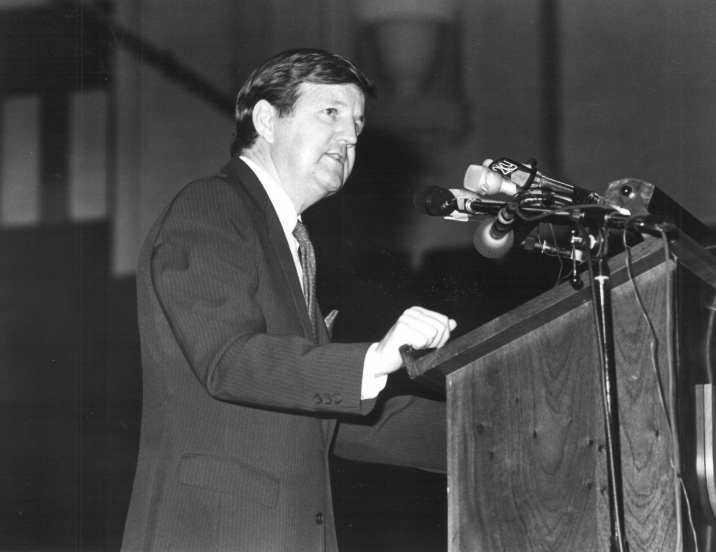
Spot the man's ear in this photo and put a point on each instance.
(264, 115)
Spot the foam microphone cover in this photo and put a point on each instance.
(434, 201)
(489, 246)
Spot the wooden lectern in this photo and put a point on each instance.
(526, 465)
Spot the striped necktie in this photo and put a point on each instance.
(308, 264)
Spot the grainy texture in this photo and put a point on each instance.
(240, 400)
(523, 444)
(526, 461)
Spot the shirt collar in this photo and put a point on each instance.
(277, 195)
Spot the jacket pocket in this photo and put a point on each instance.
(225, 475)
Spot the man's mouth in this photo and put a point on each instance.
(337, 156)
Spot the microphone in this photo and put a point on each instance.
(494, 237)
(509, 177)
(435, 201)
(481, 180)
(441, 202)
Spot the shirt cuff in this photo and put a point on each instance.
(372, 384)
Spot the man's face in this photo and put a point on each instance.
(314, 146)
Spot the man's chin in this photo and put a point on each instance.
(331, 190)
(332, 185)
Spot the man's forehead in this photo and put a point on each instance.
(340, 94)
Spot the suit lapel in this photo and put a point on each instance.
(240, 175)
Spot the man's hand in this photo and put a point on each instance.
(417, 327)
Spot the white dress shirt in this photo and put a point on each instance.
(371, 384)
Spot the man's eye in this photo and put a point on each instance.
(331, 111)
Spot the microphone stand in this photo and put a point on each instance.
(601, 290)
(603, 304)
(601, 295)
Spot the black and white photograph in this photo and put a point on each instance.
(357, 276)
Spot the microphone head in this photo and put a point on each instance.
(489, 246)
(481, 180)
(434, 201)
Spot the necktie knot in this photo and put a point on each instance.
(301, 233)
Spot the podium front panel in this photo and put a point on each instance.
(526, 457)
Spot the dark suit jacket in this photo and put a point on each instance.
(240, 404)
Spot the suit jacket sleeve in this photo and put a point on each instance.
(220, 277)
(403, 431)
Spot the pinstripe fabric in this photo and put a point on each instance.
(236, 424)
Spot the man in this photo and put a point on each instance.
(242, 388)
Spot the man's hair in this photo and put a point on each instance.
(278, 80)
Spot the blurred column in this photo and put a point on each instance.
(54, 154)
(20, 161)
(127, 198)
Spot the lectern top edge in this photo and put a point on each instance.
(433, 367)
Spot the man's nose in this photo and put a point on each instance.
(347, 133)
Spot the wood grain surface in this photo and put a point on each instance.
(526, 447)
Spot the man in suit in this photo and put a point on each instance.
(243, 390)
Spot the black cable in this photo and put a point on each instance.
(671, 367)
(654, 345)
(669, 411)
